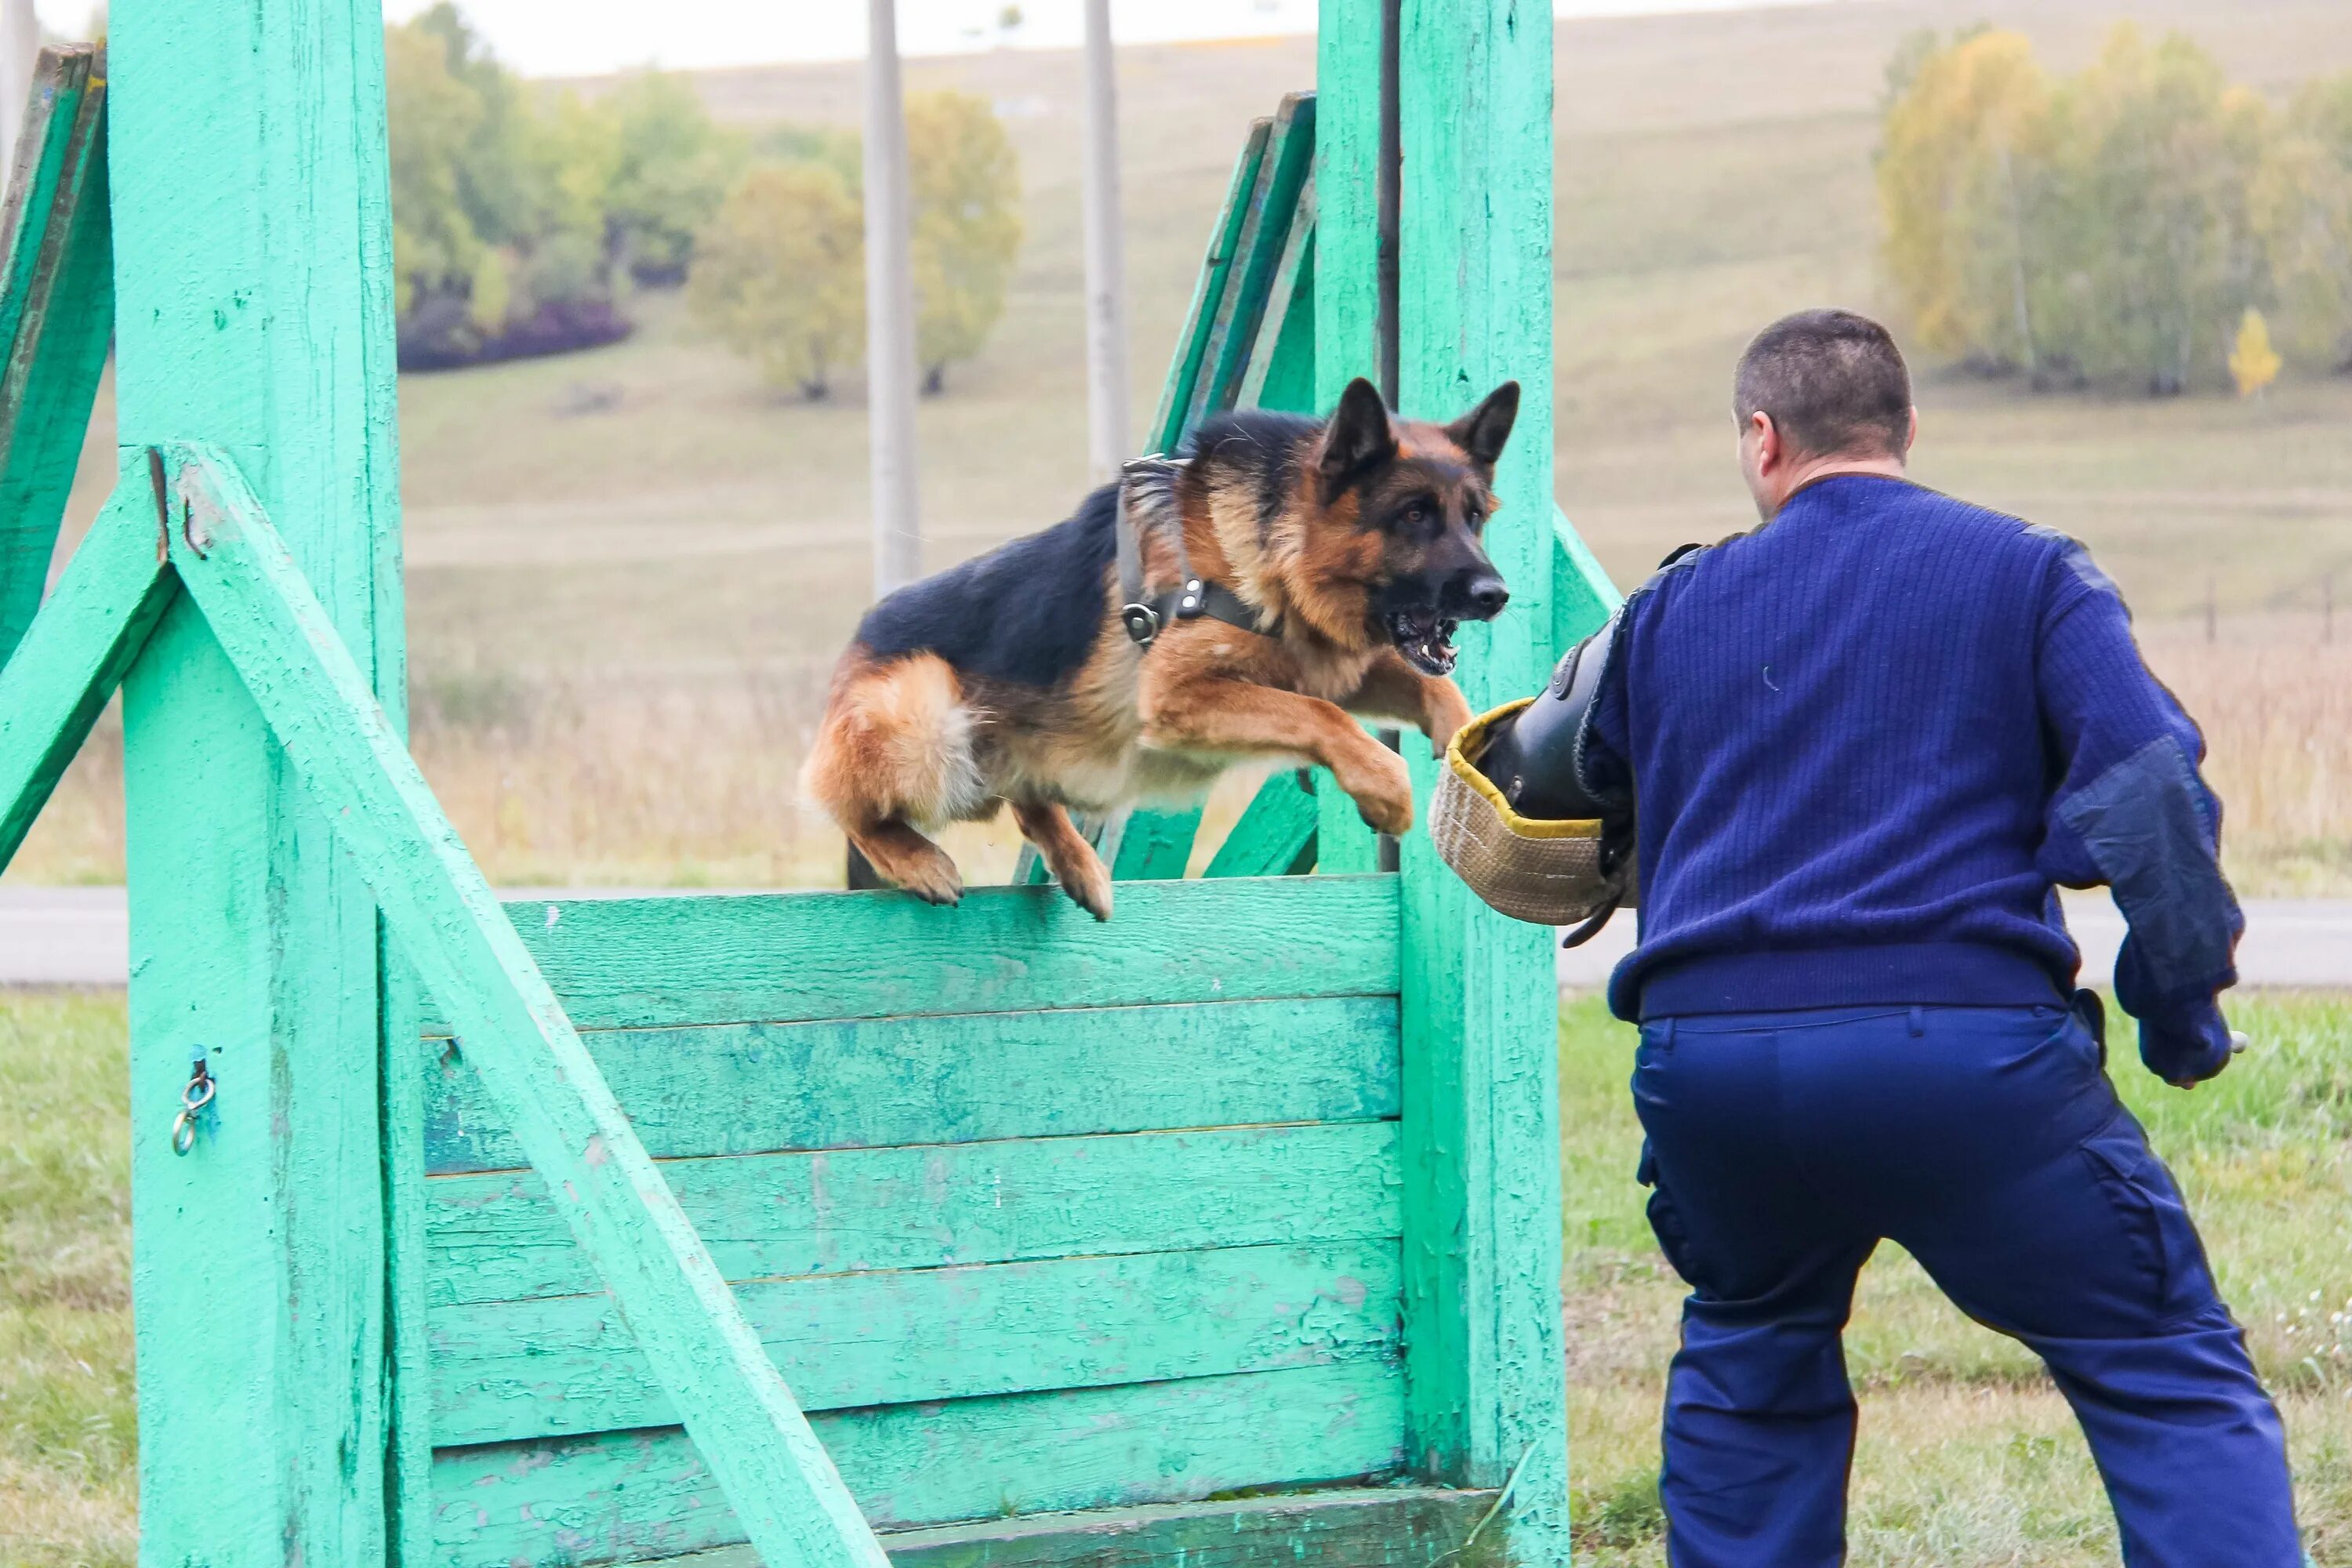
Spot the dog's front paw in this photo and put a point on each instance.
(936, 883)
(1089, 887)
(1383, 795)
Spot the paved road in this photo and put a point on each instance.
(79, 936)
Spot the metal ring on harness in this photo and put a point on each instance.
(1142, 623)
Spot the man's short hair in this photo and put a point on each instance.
(1833, 382)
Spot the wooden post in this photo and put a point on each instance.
(1353, 335)
(1488, 1389)
(1107, 415)
(889, 310)
(250, 204)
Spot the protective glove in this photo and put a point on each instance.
(2187, 1049)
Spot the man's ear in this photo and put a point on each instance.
(1359, 437)
(1483, 430)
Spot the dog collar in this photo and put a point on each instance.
(1144, 494)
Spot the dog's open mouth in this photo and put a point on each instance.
(1424, 637)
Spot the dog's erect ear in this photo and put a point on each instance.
(1483, 430)
(1359, 437)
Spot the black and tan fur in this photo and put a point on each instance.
(1355, 539)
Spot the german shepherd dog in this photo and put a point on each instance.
(1352, 545)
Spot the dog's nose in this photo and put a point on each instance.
(1486, 595)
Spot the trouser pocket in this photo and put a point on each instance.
(2160, 1239)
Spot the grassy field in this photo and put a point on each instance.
(630, 568)
(1967, 1458)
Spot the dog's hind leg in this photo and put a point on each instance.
(1074, 863)
(905, 858)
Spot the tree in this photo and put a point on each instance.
(2253, 363)
(434, 243)
(671, 169)
(2301, 204)
(1964, 136)
(779, 275)
(966, 187)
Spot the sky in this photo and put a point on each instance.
(579, 37)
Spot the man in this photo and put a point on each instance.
(1862, 743)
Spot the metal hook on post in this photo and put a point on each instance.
(201, 1086)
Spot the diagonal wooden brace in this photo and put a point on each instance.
(55, 685)
(343, 750)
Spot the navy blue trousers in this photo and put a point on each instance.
(1988, 1142)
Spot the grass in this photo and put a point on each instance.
(1968, 1455)
(620, 619)
(1967, 1459)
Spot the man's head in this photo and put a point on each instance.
(1819, 393)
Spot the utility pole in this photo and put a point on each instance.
(20, 43)
(1107, 416)
(889, 310)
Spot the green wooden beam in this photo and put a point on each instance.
(247, 175)
(1345, 290)
(1582, 596)
(343, 753)
(1169, 423)
(1275, 835)
(1487, 1396)
(1266, 227)
(95, 626)
(57, 315)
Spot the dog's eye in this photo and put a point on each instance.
(1474, 517)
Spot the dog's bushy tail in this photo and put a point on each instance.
(895, 745)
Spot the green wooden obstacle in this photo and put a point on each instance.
(808, 1229)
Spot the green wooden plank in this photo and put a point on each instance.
(411, 1266)
(1275, 835)
(106, 606)
(508, 1371)
(342, 752)
(1482, 1133)
(496, 1237)
(635, 1495)
(1345, 291)
(757, 1088)
(1290, 308)
(707, 958)
(246, 172)
(1155, 845)
(1351, 1526)
(1257, 256)
(56, 314)
(1285, 379)
(1582, 596)
(1170, 422)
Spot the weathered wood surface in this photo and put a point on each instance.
(249, 178)
(1173, 417)
(710, 958)
(758, 1088)
(1155, 845)
(510, 1370)
(1257, 257)
(633, 1495)
(1280, 372)
(1352, 1527)
(97, 623)
(1275, 835)
(57, 316)
(1582, 596)
(1481, 1133)
(341, 750)
(1346, 294)
(496, 1237)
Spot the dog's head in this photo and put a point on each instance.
(1422, 494)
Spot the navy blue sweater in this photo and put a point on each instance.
(1864, 742)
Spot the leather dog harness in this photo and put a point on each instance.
(1145, 489)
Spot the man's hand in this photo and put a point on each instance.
(2186, 1056)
